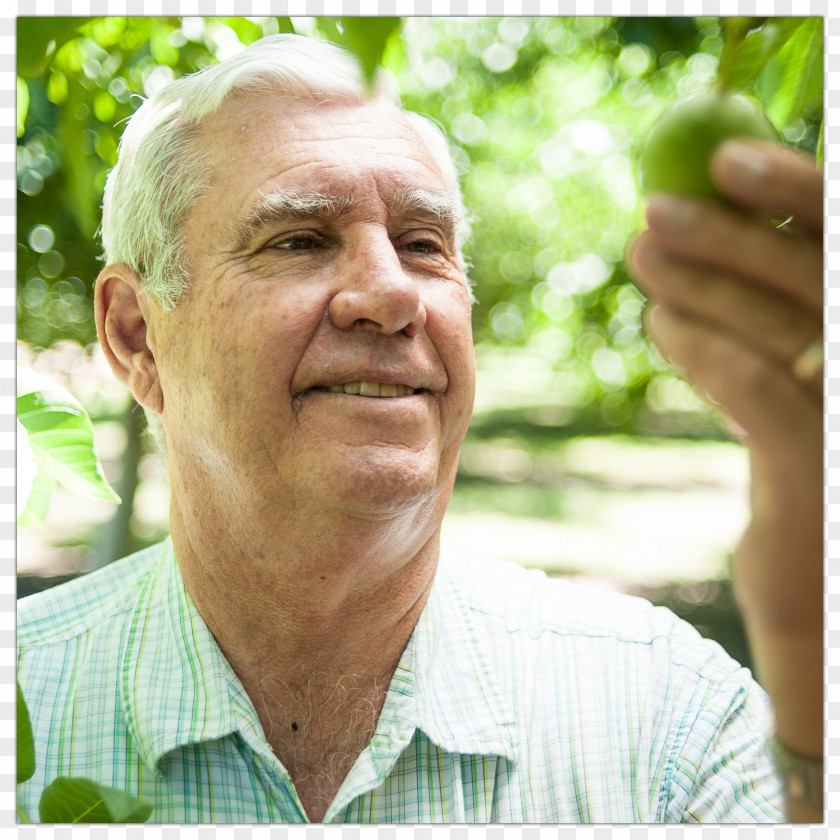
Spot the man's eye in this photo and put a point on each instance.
(303, 242)
(422, 246)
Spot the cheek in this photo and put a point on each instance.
(454, 343)
(453, 322)
(259, 339)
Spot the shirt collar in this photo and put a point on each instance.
(176, 687)
(179, 689)
(460, 697)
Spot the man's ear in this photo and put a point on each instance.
(122, 315)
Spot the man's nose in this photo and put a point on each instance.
(376, 293)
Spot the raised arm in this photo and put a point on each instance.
(737, 306)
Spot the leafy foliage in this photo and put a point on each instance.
(792, 84)
(60, 437)
(77, 800)
(784, 55)
(751, 52)
(367, 37)
(25, 744)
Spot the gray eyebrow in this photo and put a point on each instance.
(283, 206)
(438, 205)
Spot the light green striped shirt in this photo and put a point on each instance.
(518, 699)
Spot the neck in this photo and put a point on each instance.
(345, 596)
(313, 616)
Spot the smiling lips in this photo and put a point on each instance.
(370, 389)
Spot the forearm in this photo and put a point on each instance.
(787, 654)
(791, 673)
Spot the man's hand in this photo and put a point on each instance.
(737, 306)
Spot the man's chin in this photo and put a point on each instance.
(384, 480)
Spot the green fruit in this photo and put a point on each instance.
(681, 143)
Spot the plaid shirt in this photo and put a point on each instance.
(517, 699)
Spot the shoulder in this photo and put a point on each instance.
(526, 604)
(78, 607)
(652, 721)
(528, 600)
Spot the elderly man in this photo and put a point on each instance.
(286, 294)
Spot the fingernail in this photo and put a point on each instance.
(670, 212)
(648, 257)
(664, 317)
(657, 316)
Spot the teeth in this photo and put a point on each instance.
(371, 389)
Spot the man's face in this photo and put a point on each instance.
(323, 355)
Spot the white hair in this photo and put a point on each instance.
(161, 171)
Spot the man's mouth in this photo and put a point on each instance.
(370, 389)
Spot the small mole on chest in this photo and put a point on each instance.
(294, 727)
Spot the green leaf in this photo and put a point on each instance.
(25, 742)
(37, 506)
(328, 27)
(27, 466)
(284, 24)
(759, 47)
(734, 31)
(246, 30)
(798, 71)
(367, 37)
(61, 435)
(72, 799)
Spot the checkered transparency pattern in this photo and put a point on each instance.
(420, 7)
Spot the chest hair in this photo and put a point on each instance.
(317, 722)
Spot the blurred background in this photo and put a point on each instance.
(587, 455)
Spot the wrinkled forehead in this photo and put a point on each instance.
(259, 146)
(268, 122)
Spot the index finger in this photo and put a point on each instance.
(769, 177)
